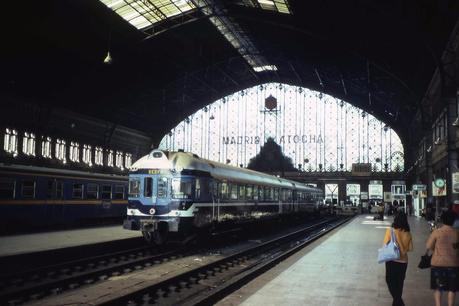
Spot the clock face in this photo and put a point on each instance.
(439, 182)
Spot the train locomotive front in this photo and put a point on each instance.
(178, 193)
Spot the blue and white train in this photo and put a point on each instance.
(180, 193)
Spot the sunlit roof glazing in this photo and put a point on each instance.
(280, 6)
(145, 13)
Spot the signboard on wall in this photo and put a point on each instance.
(439, 188)
(361, 169)
(387, 196)
(375, 191)
(398, 190)
(353, 189)
(419, 187)
(455, 182)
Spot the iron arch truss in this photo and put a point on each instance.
(317, 131)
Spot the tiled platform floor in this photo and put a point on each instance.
(341, 269)
(19, 244)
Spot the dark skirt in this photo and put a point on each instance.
(444, 278)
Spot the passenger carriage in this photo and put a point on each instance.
(179, 193)
(33, 196)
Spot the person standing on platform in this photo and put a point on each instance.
(444, 273)
(396, 269)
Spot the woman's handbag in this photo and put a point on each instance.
(390, 251)
(425, 261)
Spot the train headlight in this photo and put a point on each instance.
(152, 211)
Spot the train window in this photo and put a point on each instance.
(59, 190)
(198, 189)
(77, 192)
(276, 194)
(134, 187)
(241, 192)
(289, 195)
(267, 193)
(260, 194)
(92, 191)
(213, 188)
(28, 189)
(148, 187)
(283, 195)
(55, 190)
(224, 191)
(119, 192)
(255, 193)
(7, 187)
(233, 191)
(249, 192)
(50, 190)
(106, 193)
(182, 188)
(300, 196)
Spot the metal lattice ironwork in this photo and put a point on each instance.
(318, 132)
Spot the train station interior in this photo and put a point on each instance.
(228, 152)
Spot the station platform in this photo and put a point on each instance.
(341, 269)
(44, 241)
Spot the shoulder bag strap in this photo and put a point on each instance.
(392, 236)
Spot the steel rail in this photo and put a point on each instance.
(189, 289)
(55, 279)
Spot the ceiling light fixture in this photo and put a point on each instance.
(108, 59)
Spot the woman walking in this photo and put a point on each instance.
(444, 273)
(396, 269)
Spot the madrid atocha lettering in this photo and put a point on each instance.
(230, 140)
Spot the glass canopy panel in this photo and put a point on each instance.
(280, 6)
(144, 13)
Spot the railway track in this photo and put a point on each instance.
(208, 284)
(189, 284)
(33, 284)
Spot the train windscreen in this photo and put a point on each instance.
(134, 187)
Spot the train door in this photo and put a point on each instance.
(54, 204)
(215, 199)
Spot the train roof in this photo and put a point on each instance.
(26, 169)
(179, 161)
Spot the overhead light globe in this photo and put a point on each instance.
(108, 59)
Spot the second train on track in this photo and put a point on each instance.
(179, 193)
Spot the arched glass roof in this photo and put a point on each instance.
(317, 131)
